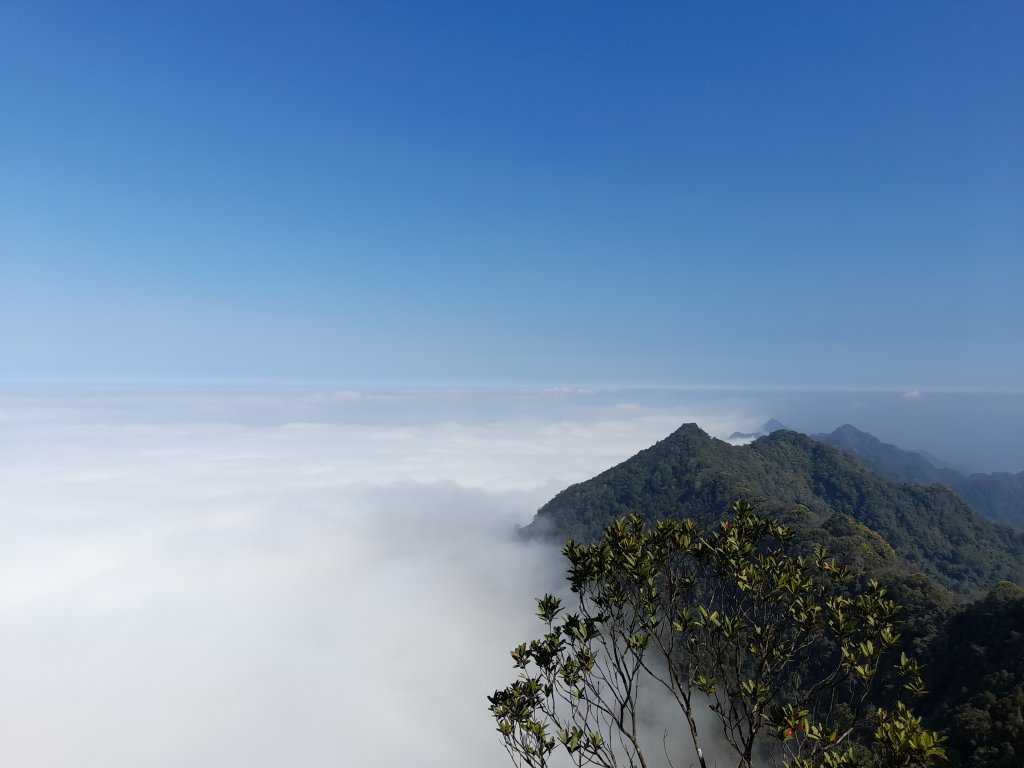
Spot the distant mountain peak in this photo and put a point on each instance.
(851, 437)
(772, 425)
(850, 429)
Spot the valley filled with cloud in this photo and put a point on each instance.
(265, 580)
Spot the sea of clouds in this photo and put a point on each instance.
(201, 580)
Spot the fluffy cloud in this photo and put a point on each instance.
(261, 581)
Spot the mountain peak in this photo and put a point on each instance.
(772, 425)
(690, 428)
(795, 478)
(850, 429)
(849, 434)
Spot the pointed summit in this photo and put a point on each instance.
(803, 482)
(772, 425)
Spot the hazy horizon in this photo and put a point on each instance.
(975, 431)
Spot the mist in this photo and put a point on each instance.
(265, 580)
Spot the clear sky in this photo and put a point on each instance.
(813, 194)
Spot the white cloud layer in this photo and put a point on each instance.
(251, 580)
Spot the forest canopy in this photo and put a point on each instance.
(797, 664)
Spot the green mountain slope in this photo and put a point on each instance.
(998, 496)
(813, 486)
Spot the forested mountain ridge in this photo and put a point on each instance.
(922, 541)
(998, 496)
(809, 484)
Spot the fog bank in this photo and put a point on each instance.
(197, 581)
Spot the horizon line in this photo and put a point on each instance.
(262, 383)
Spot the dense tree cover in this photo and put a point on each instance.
(998, 496)
(774, 644)
(976, 673)
(924, 543)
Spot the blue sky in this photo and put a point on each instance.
(786, 194)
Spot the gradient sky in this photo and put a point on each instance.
(812, 194)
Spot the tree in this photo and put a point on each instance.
(780, 648)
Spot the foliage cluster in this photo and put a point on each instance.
(977, 667)
(776, 645)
